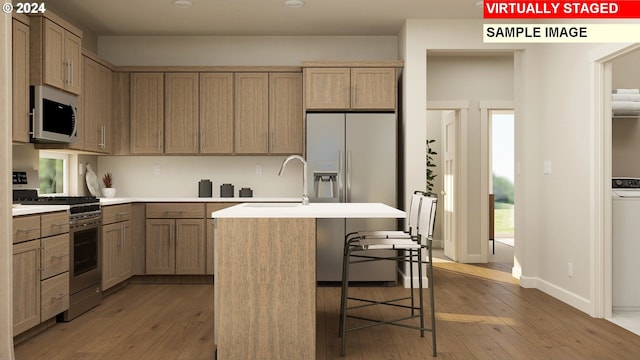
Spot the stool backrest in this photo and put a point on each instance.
(414, 212)
(427, 221)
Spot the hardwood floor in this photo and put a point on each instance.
(482, 313)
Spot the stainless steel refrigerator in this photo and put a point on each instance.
(351, 157)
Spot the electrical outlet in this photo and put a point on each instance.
(570, 269)
(156, 169)
(547, 167)
(259, 169)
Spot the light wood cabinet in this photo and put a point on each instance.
(181, 113)
(358, 88)
(175, 239)
(20, 81)
(56, 48)
(55, 255)
(26, 286)
(26, 228)
(40, 268)
(210, 242)
(251, 113)
(216, 113)
(96, 108)
(117, 245)
(147, 113)
(285, 113)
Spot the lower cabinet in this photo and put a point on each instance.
(26, 286)
(117, 245)
(175, 239)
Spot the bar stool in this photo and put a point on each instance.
(412, 247)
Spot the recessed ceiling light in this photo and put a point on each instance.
(182, 3)
(293, 3)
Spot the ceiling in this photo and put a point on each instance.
(257, 17)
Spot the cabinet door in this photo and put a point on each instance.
(327, 88)
(373, 88)
(54, 66)
(55, 296)
(125, 266)
(181, 113)
(111, 244)
(96, 107)
(26, 286)
(190, 248)
(147, 113)
(160, 247)
(285, 113)
(216, 113)
(252, 113)
(73, 62)
(20, 82)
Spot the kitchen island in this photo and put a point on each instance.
(265, 283)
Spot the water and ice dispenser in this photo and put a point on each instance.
(325, 186)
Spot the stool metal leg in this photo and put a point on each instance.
(345, 295)
(433, 306)
(420, 289)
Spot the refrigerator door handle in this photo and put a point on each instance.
(348, 193)
(341, 191)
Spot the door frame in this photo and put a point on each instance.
(461, 107)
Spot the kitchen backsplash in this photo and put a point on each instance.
(178, 176)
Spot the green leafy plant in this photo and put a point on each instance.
(107, 180)
(431, 174)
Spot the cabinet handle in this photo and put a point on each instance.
(60, 224)
(71, 72)
(159, 140)
(122, 213)
(122, 236)
(27, 230)
(195, 140)
(59, 256)
(56, 298)
(201, 141)
(102, 137)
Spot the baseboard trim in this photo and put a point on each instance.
(575, 300)
(405, 280)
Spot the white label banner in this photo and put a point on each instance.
(561, 33)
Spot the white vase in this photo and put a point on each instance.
(109, 192)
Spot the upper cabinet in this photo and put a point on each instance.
(251, 113)
(20, 83)
(350, 87)
(181, 113)
(56, 53)
(95, 130)
(216, 113)
(147, 113)
(285, 113)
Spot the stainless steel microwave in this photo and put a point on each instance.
(53, 115)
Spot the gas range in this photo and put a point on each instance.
(77, 204)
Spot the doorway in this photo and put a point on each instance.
(501, 186)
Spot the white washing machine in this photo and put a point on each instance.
(626, 243)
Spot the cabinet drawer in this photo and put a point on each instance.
(175, 211)
(55, 255)
(54, 296)
(211, 207)
(55, 223)
(116, 213)
(26, 228)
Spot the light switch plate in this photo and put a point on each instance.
(259, 169)
(156, 169)
(547, 167)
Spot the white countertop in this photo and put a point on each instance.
(37, 209)
(313, 210)
(20, 210)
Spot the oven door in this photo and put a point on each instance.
(85, 267)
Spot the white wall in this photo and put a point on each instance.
(243, 50)
(553, 108)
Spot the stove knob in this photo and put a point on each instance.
(618, 183)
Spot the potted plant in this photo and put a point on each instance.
(108, 190)
(431, 174)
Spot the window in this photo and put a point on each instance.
(53, 173)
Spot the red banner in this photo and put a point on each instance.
(518, 9)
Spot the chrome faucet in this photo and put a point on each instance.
(305, 196)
